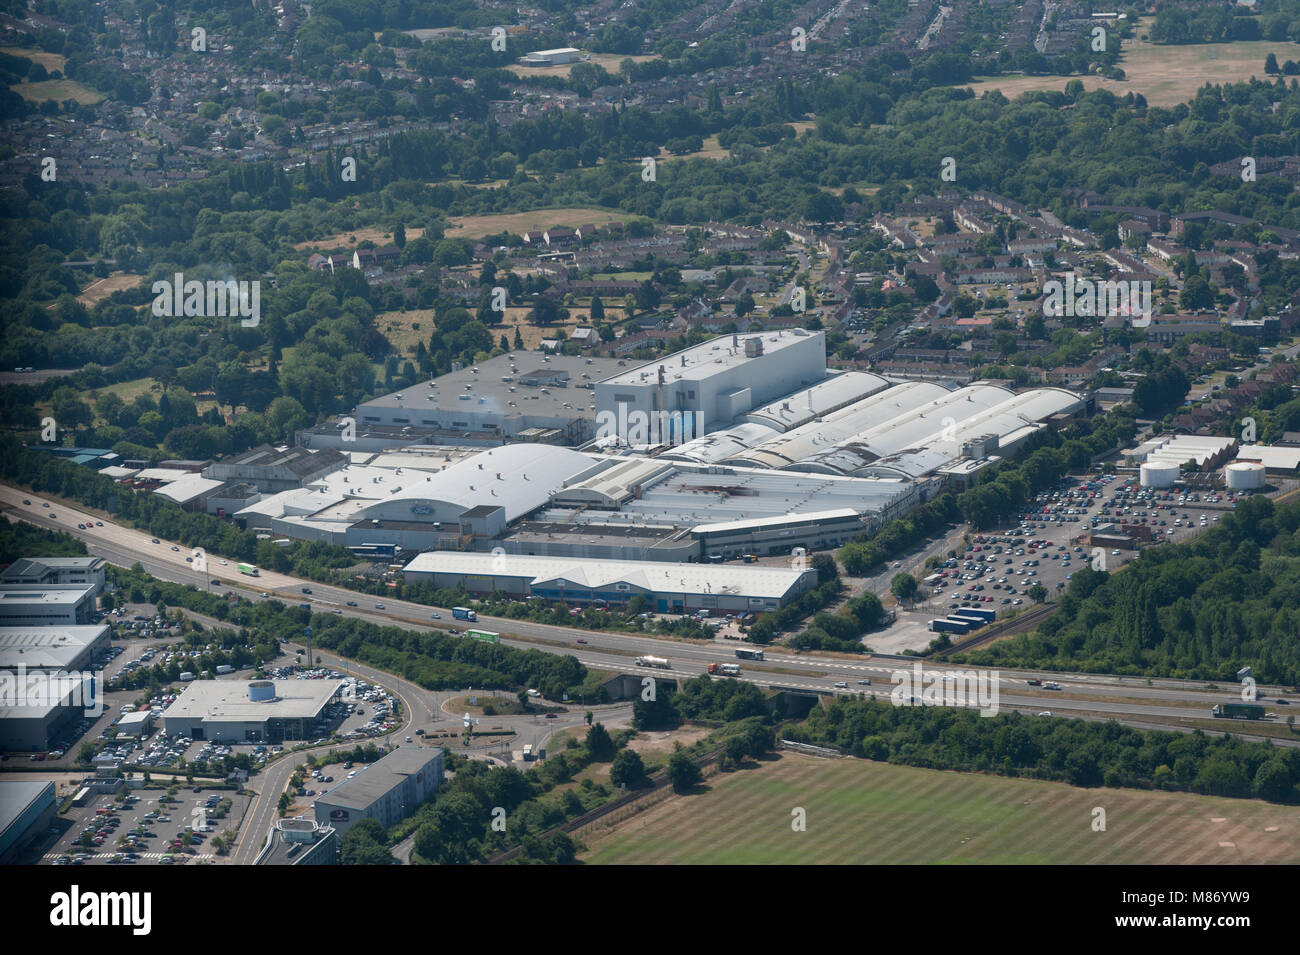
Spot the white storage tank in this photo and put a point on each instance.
(1160, 474)
(1244, 476)
(260, 691)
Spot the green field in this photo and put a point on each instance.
(865, 812)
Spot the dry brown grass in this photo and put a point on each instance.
(51, 61)
(1165, 75)
(352, 237)
(58, 90)
(103, 288)
(475, 227)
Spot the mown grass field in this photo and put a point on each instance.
(1165, 75)
(865, 812)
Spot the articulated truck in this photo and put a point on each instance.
(1239, 711)
(658, 662)
(247, 569)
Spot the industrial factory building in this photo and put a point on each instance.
(387, 791)
(274, 469)
(913, 430)
(494, 400)
(713, 384)
(669, 588)
(236, 711)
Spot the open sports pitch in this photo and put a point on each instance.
(866, 812)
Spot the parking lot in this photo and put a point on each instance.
(1047, 545)
(148, 826)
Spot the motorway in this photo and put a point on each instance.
(1184, 703)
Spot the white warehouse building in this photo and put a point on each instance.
(670, 588)
(711, 385)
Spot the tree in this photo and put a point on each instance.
(589, 716)
(399, 236)
(1270, 65)
(597, 312)
(683, 773)
(904, 587)
(599, 744)
(1037, 593)
(628, 769)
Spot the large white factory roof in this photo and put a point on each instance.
(924, 440)
(617, 480)
(839, 514)
(708, 358)
(808, 439)
(517, 477)
(692, 496)
(653, 577)
(720, 445)
(818, 400)
(229, 700)
(910, 431)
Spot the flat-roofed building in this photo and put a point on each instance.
(47, 605)
(52, 648)
(495, 400)
(713, 384)
(556, 57)
(253, 711)
(42, 571)
(670, 588)
(387, 791)
(274, 469)
(26, 810)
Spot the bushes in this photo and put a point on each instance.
(1078, 752)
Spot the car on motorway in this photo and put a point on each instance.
(864, 683)
(1045, 713)
(25, 501)
(175, 548)
(81, 527)
(435, 616)
(215, 582)
(336, 610)
(46, 504)
(1284, 702)
(582, 640)
(842, 685)
(155, 540)
(265, 594)
(352, 603)
(380, 607)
